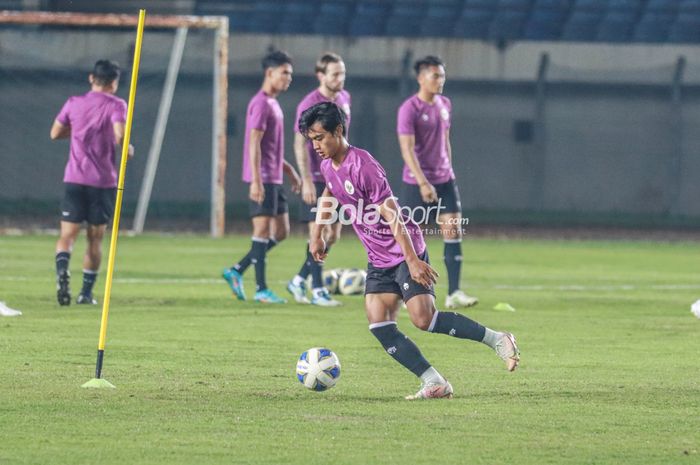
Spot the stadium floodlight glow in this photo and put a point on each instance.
(98, 381)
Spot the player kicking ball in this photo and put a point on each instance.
(398, 268)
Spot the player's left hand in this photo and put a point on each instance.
(317, 248)
(422, 273)
(130, 151)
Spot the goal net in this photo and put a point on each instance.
(179, 128)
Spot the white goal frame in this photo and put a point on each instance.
(220, 97)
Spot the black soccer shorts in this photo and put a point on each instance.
(275, 202)
(86, 203)
(396, 280)
(448, 195)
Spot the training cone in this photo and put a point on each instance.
(504, 307)
(98, 383)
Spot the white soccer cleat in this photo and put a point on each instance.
(323, 299)
(298, 291)
(7, 311)
(508, 351)
(433, 391)
(458, 299)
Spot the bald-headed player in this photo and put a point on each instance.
(398, 268)
(330, 71)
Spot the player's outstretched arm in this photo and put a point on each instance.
(119, 137)
(308, 190)
(256, 192)
(421, 272)
(293, 176)
(59, 131)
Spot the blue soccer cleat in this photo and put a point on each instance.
(235, 282)
(266, 296)
(299, 292)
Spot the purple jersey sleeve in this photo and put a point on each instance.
(257, 118)
(119, 112)
(448, 106)
(64, 115)
(405, 121)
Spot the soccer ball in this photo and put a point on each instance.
(330, 281)
(318, 369)
(352, 282)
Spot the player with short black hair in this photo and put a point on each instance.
(398, 267)
(330, 71)
(423, 127)
(94, 122)
(263, 168)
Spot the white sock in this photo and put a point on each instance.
(297, 280)
(431, 376)
(491, 337)
(317, 291)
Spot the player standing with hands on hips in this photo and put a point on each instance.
(94, 122)
(423, 127)
(263, 167)
(330, 71)
(398, 268)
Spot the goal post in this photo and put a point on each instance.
(220, 88)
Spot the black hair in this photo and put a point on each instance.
(105, 72)
(427, 62)
(274, 59)
(327, 113)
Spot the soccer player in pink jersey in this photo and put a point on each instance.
(94, 122)
(423, 127)
(399, 267)
(330, 71)
(263, 167)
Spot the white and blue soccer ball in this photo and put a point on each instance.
(352, 282)
(318, 369)
(330, 281)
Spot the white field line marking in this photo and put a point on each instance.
(510, 287)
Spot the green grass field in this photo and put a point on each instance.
(609, 371)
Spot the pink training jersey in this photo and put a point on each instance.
(264, 113)
(361, 182)
(428, 124)
(91, 118)
(343, 101)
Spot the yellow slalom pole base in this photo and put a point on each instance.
(98, 383)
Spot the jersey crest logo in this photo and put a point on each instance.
(424, 117)
(349, 188)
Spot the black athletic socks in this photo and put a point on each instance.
(259, 250)
(306, 267)
(453, 263)
(89, 278)
(457, 325)
(62, 261)
(400, 347)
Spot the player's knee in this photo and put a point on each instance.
(422, 321)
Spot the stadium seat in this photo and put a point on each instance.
(582, 26)
(370, 18)
(474, 23)
(616, 26)
(545, 23)
(507, 25)
(686, 29)
(405, 18)
(298, 18)
(515, 5)
(625, 5)
(653, 27)
(662, 6)
(591, 5)
(265, 16)
(332, 17)
(689, 6)
(440, 17)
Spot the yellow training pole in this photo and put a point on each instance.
(98, 382)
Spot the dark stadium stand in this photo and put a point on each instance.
(618, 21)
